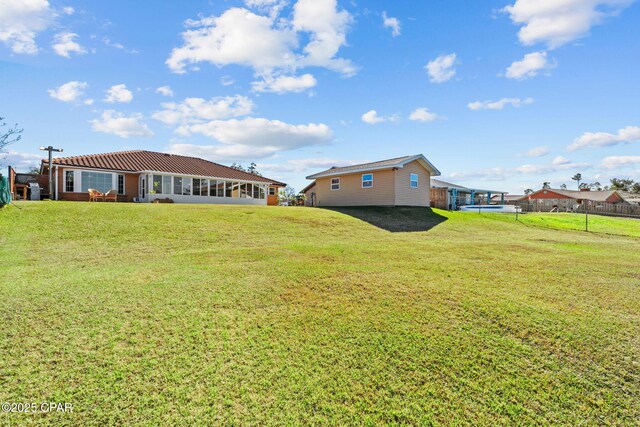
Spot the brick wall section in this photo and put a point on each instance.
(130, 189)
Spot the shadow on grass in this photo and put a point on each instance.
(395, 219)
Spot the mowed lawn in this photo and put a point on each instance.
(142, 314)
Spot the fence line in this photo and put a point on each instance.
(570, 205)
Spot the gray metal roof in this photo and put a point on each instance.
(437, 183)
(397, 162)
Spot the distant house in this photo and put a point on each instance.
(610, 196)
(446, 195)
(146, 175)
(402, 181)
(310, 194)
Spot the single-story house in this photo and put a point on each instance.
(607, 196)
(402, 181)
(310, 193)
(144, 176)
(446, 195)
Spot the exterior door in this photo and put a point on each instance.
(143, 187)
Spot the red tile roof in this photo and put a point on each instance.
(141, 160)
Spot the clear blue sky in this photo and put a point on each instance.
(497, 94)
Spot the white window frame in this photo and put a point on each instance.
(362, 180)
(411, 180)
(337, 183)
(124, 184)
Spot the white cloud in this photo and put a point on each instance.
(560, 160)
(603, 139)
(327, 28)
(118, 93)
(69, 92)
(423, 115)
(252, 138)
(199, 110)
(613, 162)
(557, 22)
(238, 36)
(537, 152)
(500, 104)
(165, 91)
(68, 10)
(21, 21)
(226, 81)
(285, 84)
(121, 125)
(267, 44)
(392, 23)
(371, 117)
(64, 45)
(305, 165)
(529, 66)
(442, 68)
(501, 173)
(20, 161)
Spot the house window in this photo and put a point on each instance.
(262, 192)
(68, 181)
(213, 188)
(120, 183)
(186, 186)
(220, 188)
(157, 184)
(166, 185)
(236, 190)
(243, 191)
(272, 191)
(100, 181)
(367, 180)
(177, 185)
(204, 187)
(414, 180)
(256, 191)
(196, 186)
(335, 183)
(228, 189)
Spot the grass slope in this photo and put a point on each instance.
(144, 314)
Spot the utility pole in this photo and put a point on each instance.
(50, 149)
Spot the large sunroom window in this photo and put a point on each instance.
(100, 181)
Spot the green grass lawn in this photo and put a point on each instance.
(576, 221)
(143, 314)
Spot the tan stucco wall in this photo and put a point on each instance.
(351, 192)
(407, 196)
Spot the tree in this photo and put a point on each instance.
(287, 196)
(563, 187)
(595, 186)
(577, 177)
(237, 166)
(253, 168)
(583, 186)
(621, 184)
(528, 191)
(635, 188)
(546, 185)
(10, 136)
